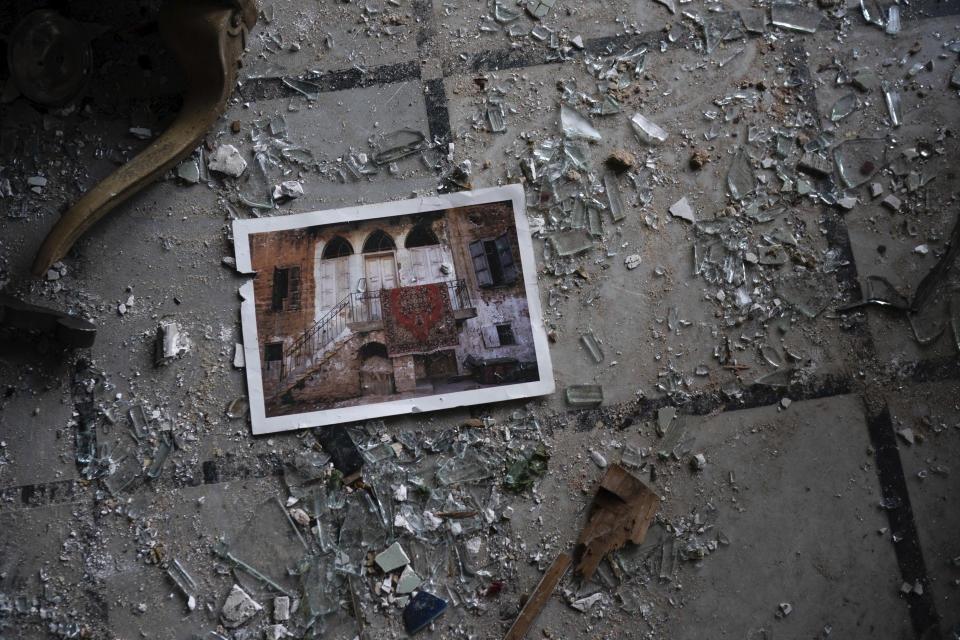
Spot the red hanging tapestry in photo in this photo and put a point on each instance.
(418, 319)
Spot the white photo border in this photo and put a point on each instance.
(242, 229)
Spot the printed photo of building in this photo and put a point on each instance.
(388, 308)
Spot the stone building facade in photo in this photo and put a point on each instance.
(449, 282)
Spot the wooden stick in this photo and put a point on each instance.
(539, 598)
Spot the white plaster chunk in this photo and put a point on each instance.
(681, 209)
(239, 360)
(227, 159)
(238, 608)
(275, 632)
(281, 608)
(584, 604)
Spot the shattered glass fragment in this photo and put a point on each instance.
(398, 144)
(784, 144)
(127, 470)
(740, 178)
(256, 188)
(584, 395)
(871, 12)
(159, 456)
(309, 89)
(632, 456)
(722, 26)
(955, 78)
(779, 378)
(892, 98)
(575, 125)
(238, 408)
(189, 171)
(186, 583)
(594, 224)
(468, 467)
(86, 446)
(809, 293)
(539, 8)
(267, 551)
(504, 14)
(649, 132)
(612, 186)
(665, 416)
(138, 419)
(797, 17)
(754, 20)
(569, 243)
(893, 20)
(607, 107)
(495, 116)
(523, 472)
(321, 585)
(859, 158)
(592, 345)
(929, 322)
(843, 107)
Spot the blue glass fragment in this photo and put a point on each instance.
(421, 610)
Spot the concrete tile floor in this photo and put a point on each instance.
(802, 513)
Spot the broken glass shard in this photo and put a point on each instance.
(584, 395)
(268, 550)
(772, 255)
(647, 131)
(238, 408)
(740, 178)
(594, 224)
(929, 322)
(843, 107)
(665, 416)
(523, 472)
(495, 116)
(159, 456)
(608, 106)
(778, 378)
(858, 159)
(138, 419)
(539, 8)
(871, 12)
(575, 125)
(809, 293)
(754, 20)
(398, 144)
(592, 346)
(470, 466)
(188, 171)
(632, 456)
(722, 26)
(86, 446)
(794, 16)
(955, 78)
(569, 243)
(784, 144)
(185, 581)
(309, 89)
(892, 97)
(320, 584)
(127, 470)
(255, 190)
(893, 20)
(503, 14)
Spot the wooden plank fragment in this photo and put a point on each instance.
(539, 597)
(622, 510)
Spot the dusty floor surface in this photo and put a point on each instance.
(827, 505)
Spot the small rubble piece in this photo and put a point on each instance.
(907, 435)
(621, 511)
(649, 132)
(577, 41)
(785, 402)
(815, 164)
(921, 249)
(238, 608)
(698, 462)
(141, 132)
(227, 160)
(892, 202)
(393, 557)
(37, 181)
(681, 209)
(621, 160)
(586, 603)
(171, 343)
(346, 458)
(847, 202)
(275, 632)
(866, 81)
(408, 581)
(698, 158)
(281, 608)
(239, 360)
(784, 609)
(539, 597)
(300, 516)
(875, 189)
(632, 261)
(289, 189)
(420, 611)
(598, 459)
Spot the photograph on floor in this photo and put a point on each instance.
(391, 308)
